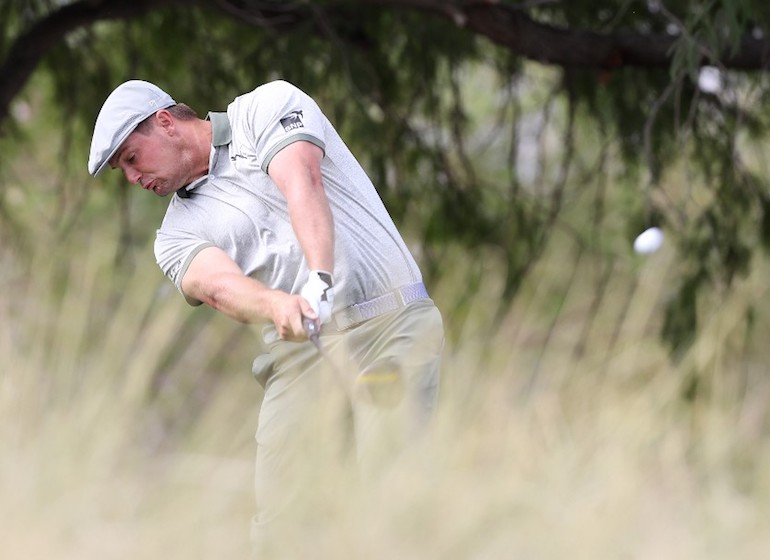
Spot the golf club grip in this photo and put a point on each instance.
(310, 328)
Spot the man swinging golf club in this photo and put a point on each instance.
(272, 220)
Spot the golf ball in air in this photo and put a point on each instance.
(648, 241)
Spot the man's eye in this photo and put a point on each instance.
(131, 158)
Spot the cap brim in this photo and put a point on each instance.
(106, 162)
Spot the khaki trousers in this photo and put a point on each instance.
(381, 377)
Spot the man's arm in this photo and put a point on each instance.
(215, 279)
(296, 170)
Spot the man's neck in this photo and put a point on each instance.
(198, 134)
(202, 140)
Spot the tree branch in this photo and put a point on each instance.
(504, 24)
(30, 47)
(578, 47)
(511, 27)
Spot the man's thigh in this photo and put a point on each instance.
(396, 390)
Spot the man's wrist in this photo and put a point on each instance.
(325, 276)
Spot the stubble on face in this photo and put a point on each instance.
(163, 159)
(176, 165)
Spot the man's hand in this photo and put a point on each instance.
(287, 313)
(319, 293)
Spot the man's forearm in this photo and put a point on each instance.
(312, 221)
(239, 297)
(215, 279)
(246, 300)
(296, 171)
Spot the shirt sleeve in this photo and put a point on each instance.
(174, 251)
(280, 115)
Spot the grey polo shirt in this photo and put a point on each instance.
(238, 208)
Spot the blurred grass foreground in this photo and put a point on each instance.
(565, 431)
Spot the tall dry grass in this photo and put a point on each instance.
(565, 431)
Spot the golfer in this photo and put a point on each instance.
(272, 220)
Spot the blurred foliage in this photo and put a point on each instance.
(444, 119)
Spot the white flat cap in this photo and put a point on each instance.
(127, 106)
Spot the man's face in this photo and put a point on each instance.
(152, 160)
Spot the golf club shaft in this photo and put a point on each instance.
(313, 334)
(371, 392)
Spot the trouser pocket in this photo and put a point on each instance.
(262, 368)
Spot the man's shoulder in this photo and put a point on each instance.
(277, 86)
(276, 89)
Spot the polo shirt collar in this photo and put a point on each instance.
(186, 191)
(221, 135)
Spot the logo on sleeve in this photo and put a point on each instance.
(292, 120)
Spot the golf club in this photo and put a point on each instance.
(313, 334)
(380, 384)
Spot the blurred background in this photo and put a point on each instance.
(598, 401)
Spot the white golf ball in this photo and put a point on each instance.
(648, 241)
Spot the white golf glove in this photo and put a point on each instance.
(319, 294)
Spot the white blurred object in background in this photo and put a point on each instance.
(648, 241)
(710, 80)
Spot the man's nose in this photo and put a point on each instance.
(132, 176)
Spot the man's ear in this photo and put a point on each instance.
(165, 120)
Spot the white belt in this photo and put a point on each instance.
(360, 312)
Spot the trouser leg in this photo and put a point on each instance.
(302, 425)
(299, 433)
(409, 341)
